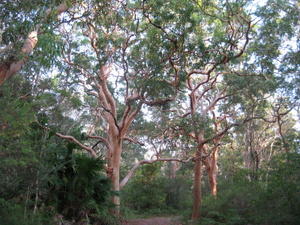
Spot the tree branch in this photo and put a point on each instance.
(101, 139)
(8, 69)
(133, 169)
(133, 141)
(74, 140)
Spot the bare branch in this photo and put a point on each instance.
(133, 141)
(115, 122)
(226, 129)
(74, 140)
(158, 102)
(129, 118)
(101, 139)
(104, 73)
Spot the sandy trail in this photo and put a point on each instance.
(154, 221)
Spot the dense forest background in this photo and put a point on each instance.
(117, 109)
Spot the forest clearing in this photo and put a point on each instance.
(137, 112)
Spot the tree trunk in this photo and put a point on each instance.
(173, 169)
(212, 172)
(114, 172)
(197, 185)
(116, 187)
(213, 182)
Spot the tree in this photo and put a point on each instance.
(108, 43)
(205, 57)
(13, 15)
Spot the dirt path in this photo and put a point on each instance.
(154, 221)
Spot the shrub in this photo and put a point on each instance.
(12, 213)
(273, 199)
(78, 188)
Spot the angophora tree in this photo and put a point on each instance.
(212, 38)
(122, 63)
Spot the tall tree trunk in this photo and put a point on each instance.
(114, 165)
(212, 171)
(251, 156)
(212, 175)
(116, 187)
(197, 185)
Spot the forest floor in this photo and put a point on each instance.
(154, 221)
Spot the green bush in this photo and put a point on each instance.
(151, 193)
(12, 213)
(273, 199)
(146, 190)
(78, 188)
(179, 195)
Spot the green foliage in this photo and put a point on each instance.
(39, 171)
(197, 123)
(147, 187)
(21, 145)
(19, 159)
(77, 186)
(48, 50)
(18, 19)
(282, 192)
(150, 193)
(16, 112)
(273, 200)
(12, 213)
(178, 190)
